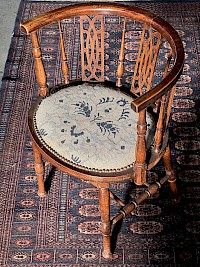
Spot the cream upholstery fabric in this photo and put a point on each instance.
(90, 126)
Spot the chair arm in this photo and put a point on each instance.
(162, 88)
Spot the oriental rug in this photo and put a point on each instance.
(63, 229)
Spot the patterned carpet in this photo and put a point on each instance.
(63, 229)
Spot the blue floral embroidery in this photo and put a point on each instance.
(75, 159)
(122, 102)
(105, 100)
(125, 114)
(73, 132)
(108, 126)
(107, 110)
(97, 117)
(83, 108)
(43, 132)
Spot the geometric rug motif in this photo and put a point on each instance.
(63, 229)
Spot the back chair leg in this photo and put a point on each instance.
(170, 173)
(39, 169)
(104, 203)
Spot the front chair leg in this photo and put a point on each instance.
(39, 169)
(170, 173)
(104, 203)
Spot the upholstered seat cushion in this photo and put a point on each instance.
(91, 126)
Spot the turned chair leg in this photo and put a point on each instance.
(39, 169)
(170, 173)
(104, 203)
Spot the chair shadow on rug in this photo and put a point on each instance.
(48, 180)
(111, 123)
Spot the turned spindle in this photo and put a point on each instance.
(65, 69)
(120, 68)
(140, 164)
(39, 67)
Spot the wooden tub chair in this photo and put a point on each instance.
(99, 126)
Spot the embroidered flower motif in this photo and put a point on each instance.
(108, 126)
(83, 108)
(122, 102)
(43, 132)
(125, 114)
(105, 100)
(73, 132)
(76, 159)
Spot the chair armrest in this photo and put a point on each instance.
(163, 87)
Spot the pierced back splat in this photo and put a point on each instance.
(92, 47)
(146, 60)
